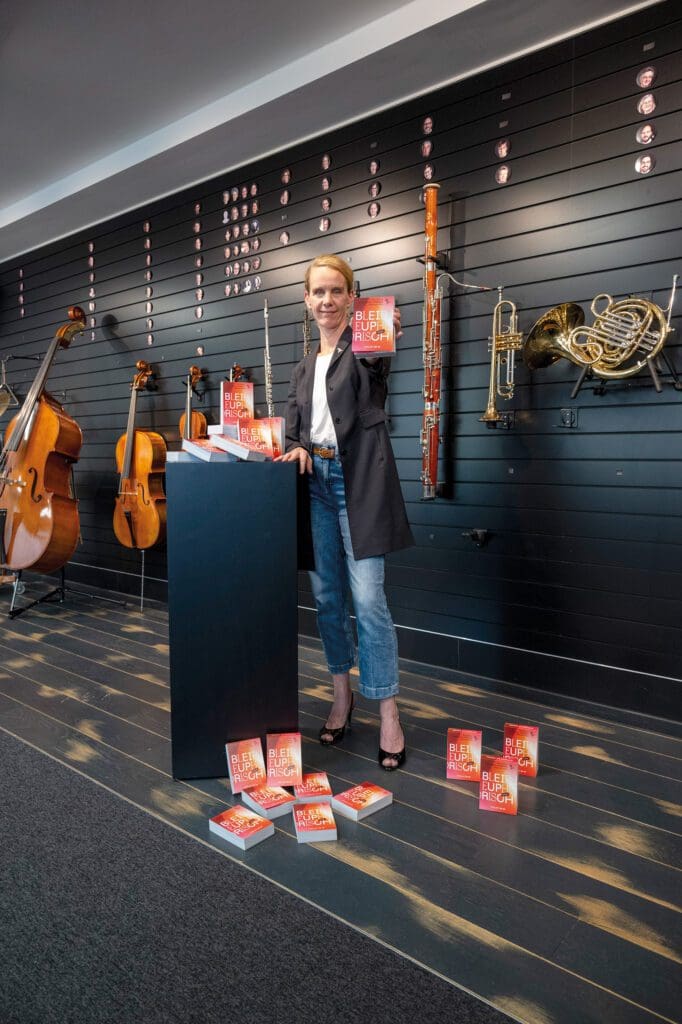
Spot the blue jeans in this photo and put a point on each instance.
(336, 570)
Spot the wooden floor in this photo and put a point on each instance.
(568, 913)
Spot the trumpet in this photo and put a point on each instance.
(505, 342)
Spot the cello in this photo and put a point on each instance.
(192, 424)
(39, 526)
(140, 510)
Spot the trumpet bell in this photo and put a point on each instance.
(548, 337)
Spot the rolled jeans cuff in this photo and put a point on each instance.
(336, 670)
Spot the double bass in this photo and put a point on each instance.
(140, 511)
(39, 526)
(192, 424)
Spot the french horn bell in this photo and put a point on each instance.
(548, 339)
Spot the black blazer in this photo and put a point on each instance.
(356, 393)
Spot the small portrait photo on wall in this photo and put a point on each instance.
(646, 77)
(645, 134)
(645, 164)
(646, 104)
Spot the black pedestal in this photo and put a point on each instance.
(232, 594)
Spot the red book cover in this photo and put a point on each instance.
(499, 785)
(284, 758)
(463, 754)
(521, 745)
(257, 435)
(372, 324)
(245, 764)
(236, 400)
(241, 826)
(270, 801)
(276, 424)
(361, 800)
(314, 787)
(314, 823)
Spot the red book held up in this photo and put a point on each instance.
(499, 785)
(236, 400)
(284, 758)
(463, 754)
(314, 788)
(372, 323)
(314, 823)
(521, 745)
(245, 764)
(361, 800)
(270, 801)
(242, 827)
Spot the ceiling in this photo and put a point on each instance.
(111, 105)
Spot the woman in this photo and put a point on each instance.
(336, 432)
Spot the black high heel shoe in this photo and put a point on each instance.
(336, 735)
(399, 759)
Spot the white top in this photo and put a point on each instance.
(321, 427)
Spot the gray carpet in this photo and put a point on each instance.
(108, 915)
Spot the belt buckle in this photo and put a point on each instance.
(324, 452)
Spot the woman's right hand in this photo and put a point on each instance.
(300, 455)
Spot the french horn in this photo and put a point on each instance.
(625, 335)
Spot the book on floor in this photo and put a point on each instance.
(521, 745)
(241, 826)
(201, 448)
(236, 400)
(270, 801)
(284, 758)
(245, 764)
(499, 785)
(372, 323)
(313, 788)
(463, 754)
(359, 801)
(314, 823)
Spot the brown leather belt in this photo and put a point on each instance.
(324, 453)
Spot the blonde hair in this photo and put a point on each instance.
(334, 263)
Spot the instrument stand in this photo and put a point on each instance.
(19, 588)
(655, 371)
(141, 579)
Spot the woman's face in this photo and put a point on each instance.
(328, 300)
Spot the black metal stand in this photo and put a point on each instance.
(655, 371)
(58, 590)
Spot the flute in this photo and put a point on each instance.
(268, 363)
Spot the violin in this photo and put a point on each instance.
(39, 527)
(192, 424)
(140, 511)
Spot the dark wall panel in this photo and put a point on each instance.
(583, 564)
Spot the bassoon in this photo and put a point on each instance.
(431, 348)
